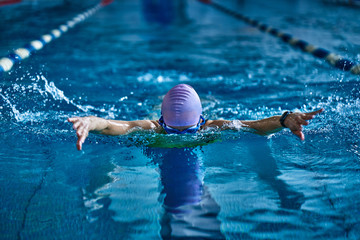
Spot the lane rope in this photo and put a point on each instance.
(334, 59)
(7, 63)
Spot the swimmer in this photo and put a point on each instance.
(181, 113)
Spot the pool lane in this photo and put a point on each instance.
(7, 63)
(334, 59)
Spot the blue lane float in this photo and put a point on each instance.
(7, 63)
(335, 60)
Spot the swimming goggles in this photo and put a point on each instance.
(193, 129)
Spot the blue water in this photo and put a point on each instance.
(119, 64)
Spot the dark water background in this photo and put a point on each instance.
(119, 63)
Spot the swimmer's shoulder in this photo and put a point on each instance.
(157, 127)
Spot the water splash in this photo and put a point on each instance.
(39, 100)
(160, 77)
(14, 111)
(59, 95)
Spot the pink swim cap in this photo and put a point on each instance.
(181, 106)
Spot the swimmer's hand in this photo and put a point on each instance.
(294, 122)
(266, 126)
(82, 126)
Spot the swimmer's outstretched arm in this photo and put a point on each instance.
(84, 125)
(294, 121)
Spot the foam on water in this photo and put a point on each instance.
(235, 184)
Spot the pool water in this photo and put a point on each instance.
(119, 63)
